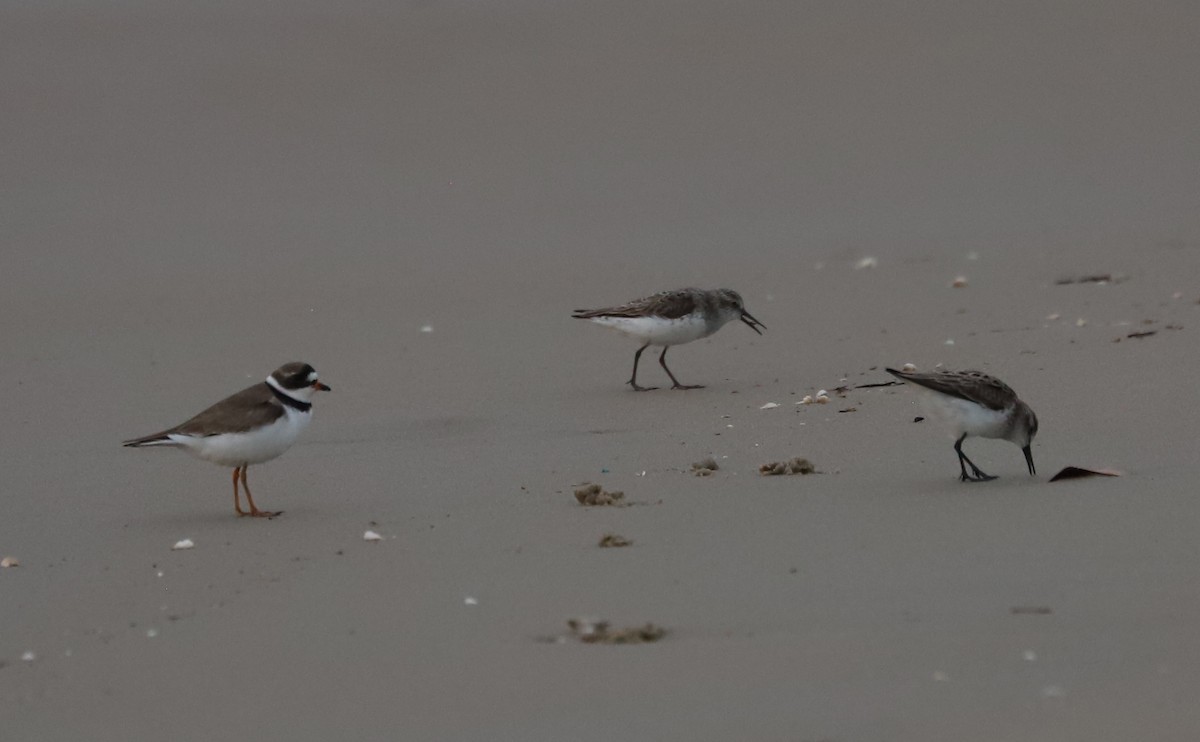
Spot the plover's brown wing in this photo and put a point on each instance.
(973, 386)
(251, 408)
(666, 304)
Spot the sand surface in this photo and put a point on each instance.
(194, 193)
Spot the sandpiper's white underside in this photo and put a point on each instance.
(243, 449)
(961, 416)
(659, 330)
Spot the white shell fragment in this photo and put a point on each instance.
(867, 262)
(29, 656)
(769, 406)
(1029, 655)
(426, 328)
(8, 561)
(822, 397)
(470, 601)
(186, 543)
(959, 282)
(908, 368)
(1080, 322)
(807, 399)
(372, 536)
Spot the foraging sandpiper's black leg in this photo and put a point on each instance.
(633, 379)
(964, 462)
(662, 359)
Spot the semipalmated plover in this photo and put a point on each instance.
(672, 318)
(250, 427)
(974, 403)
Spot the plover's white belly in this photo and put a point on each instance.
(658, 330)
(962, 416)
(252, 447)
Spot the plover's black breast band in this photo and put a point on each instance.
(295, 404)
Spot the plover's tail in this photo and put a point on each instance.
(156, 439)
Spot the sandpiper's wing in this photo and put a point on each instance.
(253, 407)
(973, 386)
(666, 304)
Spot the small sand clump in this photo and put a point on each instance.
(599, 632)
(592, 494)
(792, 466)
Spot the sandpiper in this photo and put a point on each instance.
(250, 427)
(975, 403)
(672, 318)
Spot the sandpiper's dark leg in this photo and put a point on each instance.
(662, 359)
(633, 379)
(237, 501)
(254, 508)
(964, 462)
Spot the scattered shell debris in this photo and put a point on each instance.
(1101, 278)
(959, 282)
(1136, 335)
(1029, 655)
(371, 536)
(1053, 317)
(590, 631)
(592, 494)
(769, 406)
(908, 368)
(822, 397)
(613, 541)
(426, 328)
(867, 262)
(793, 466)
(1078, 472)
(705, 467)
(182, 544)
(470, 601)
(1081, 322)
(9, 561)
(28, 656)
(893, 382)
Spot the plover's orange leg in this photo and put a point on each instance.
(254, 511)
(237, 502)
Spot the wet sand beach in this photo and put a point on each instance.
(412, 197)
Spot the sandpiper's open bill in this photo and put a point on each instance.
(974, 403)
(250, 427)
(672, 318)
(753, 323)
